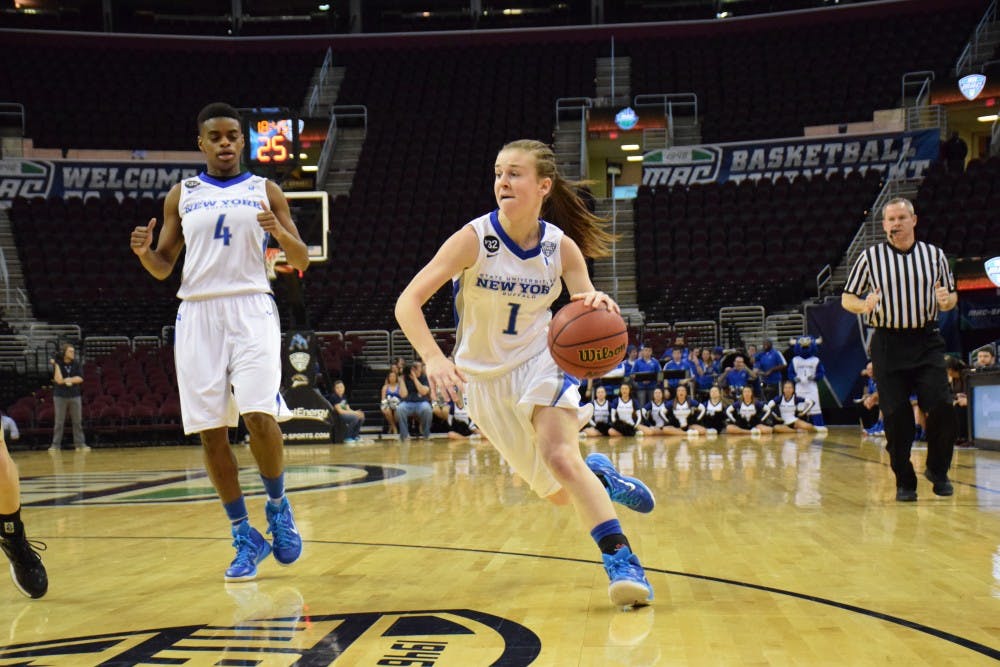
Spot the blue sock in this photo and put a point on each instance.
(236, 510)
(609, 536)
(275, 488)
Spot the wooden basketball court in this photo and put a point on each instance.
(769, 551)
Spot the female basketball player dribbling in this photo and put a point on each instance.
(506, 267)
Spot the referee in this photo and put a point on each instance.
(900, 286)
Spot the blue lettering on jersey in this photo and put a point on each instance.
(221, 203)
(507, 285)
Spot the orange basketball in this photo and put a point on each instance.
(587, 342)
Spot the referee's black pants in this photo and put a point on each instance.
(906, 362)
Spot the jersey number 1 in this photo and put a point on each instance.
(222, 231)
(512, 322)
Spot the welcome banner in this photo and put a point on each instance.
(897, 155)
(64, 178)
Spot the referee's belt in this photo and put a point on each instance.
(930, 327)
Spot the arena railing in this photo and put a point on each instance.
(320, 85)
(975, 48)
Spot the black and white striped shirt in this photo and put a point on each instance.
(906, 281)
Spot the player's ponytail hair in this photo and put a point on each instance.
(563, 206)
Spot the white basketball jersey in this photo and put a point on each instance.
(502, 301)
(224, 242)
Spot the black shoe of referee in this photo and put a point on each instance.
(942, 487)
(906, 495)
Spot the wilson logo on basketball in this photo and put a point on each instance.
(589, 355)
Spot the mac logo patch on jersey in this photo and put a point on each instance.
(491, 243)
(192, 184)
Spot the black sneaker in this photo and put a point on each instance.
(26, 568)
(942, 487)
(906, 495)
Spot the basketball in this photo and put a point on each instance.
(587, 342)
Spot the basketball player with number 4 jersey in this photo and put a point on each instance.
(506, 268)
(227, 345)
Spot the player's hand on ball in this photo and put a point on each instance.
(596, 299)
(142, 238)
(445, 378)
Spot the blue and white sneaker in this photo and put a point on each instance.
(876, 430)
(629, 586)
(285, 536)
(628, 491)
(251, 549)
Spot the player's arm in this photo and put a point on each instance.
(577, 280)
(160, 262)
(456, 254)
(276, 220)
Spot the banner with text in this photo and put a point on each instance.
(899, 154)
(70, 178)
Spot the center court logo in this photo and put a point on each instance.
(183, 486)
(439, 638)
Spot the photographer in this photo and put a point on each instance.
(67, 377)
(416, 400)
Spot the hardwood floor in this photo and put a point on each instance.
(761, 551)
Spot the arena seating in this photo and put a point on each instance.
(802, 70)
(958, 211)
(706, 246)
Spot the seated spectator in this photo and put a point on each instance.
(715, 419)
(684, 414)
(9, 426)
(871, 415)
(631, 355)
(746, 415)
(415, 401)
(460, 425)
(625, 413)
(986, 359)
(679, 343)
(353, 419)
(391, 397)
(705, 374)
(600, 420)
(956, 370)
(785, 412)
(645, 375)
(769, 364)
(677, 366)
(654, 416)
(441, 414)
(738, 377)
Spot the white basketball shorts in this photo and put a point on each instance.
(502, 407)
(228, 356)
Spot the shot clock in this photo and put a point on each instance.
(272, 139)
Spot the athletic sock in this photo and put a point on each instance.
(609, 536)
(275, 489)
(236, 510)
(11, 526)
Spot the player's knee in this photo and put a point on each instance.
(258, 422)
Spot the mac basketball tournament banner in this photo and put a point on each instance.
(897, 154)
(69, 178)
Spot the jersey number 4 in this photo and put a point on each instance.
(222, 230)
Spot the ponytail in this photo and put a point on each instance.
(564, 206)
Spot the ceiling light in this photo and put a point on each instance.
(987, 119)
(634, 158)
(630, 147)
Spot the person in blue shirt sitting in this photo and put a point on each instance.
(770, 364)
(645, 375)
